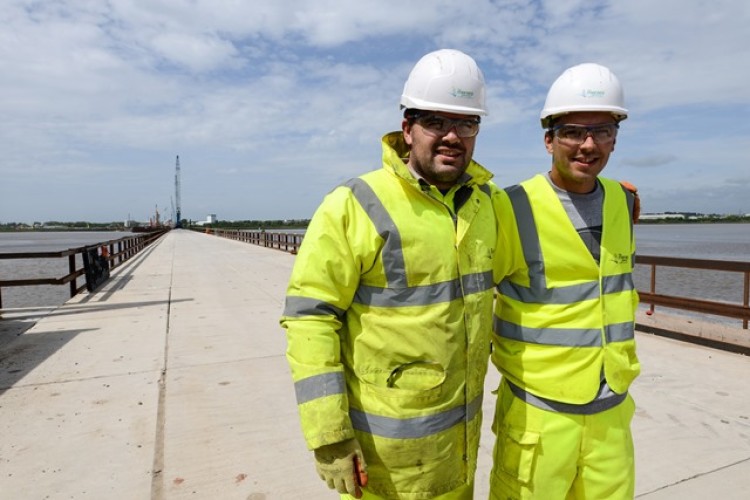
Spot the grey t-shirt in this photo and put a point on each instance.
(585, 212)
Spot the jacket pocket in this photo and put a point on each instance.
(516, 454)
(418, 381)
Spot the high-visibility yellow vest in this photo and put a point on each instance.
(389, 317)
(560, 318)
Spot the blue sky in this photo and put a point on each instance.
(272, 104)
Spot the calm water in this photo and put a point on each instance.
(43, 295)
(698, 241)
(695, 241)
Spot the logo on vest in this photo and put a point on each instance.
(619, 258)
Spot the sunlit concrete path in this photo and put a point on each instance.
(170, 382)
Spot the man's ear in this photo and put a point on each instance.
(548, 138)
(406, 129)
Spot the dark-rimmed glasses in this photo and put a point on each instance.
(576, 134)
(440, 125)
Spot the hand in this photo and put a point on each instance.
(336, 466)
(636, 202)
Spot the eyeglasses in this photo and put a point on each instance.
(439, 125)
(576, 134)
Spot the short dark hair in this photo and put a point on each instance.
(411, 113)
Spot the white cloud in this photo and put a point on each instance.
(197, 53)
(294, 96)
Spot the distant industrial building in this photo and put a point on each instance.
(662, 216)
(210, 219)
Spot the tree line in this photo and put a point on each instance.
(260, 224)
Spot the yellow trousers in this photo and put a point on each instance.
(541, 454)
(465, 492)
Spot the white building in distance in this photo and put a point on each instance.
(210, 219)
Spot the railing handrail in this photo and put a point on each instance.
(72, 250)
(714, 265)
(291, 241)
(737, 310)
(288, 242)
(127, 247)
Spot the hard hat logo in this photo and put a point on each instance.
(466, 94)
(445, 80)
(590, 93)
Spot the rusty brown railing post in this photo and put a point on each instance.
(72, 270)
(653, 287)
(746, 296)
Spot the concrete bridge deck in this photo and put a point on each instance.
(170, 382)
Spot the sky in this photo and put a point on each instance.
(270, 105)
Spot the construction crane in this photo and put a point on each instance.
(178, 214)
(171, 200)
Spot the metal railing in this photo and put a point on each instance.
(288, 242)
(291, 242)
(736, 310)
(114, 252)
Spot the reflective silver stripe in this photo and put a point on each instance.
(630, 199)
(423, 295)
(592, 408)
(392, 253)
(413, 428)
(568, 337)
(296, 307)
(477, 282)
(560, 295)
(617, 283)
(405, 297)
(568, 294)
(532, 251)
(620, 332)
(319, 386)
(475, 407)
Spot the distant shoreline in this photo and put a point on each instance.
(739, 220)
(302, 224)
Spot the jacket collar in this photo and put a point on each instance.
(396, 154)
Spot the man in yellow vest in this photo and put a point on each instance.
(564, 320)
(389, 306)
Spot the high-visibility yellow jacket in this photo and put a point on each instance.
(389, 316)
(560, 318)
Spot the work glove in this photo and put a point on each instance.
(636, 202)
(342, 466)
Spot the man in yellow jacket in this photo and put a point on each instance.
(564, 321)
(389, 306)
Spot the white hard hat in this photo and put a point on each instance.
(445, 80)
(586, 87)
